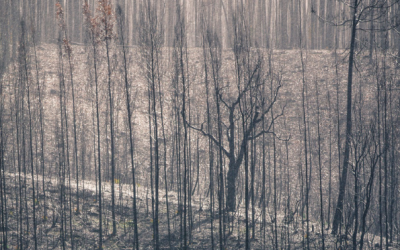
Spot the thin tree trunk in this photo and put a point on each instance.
(128, 106)
(342, 188)
(320, 169)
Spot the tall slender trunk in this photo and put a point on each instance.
(93, 39)
(263, 177)
(210, 143)
(98, 145)
(378, 100)
(306, 204)
(342, 185)
(34, 200)
(111, 107)
(24, 55)
(165, 157)
(129, 111)
(253, 170)
(69, 51)
(276, 245)
(41, 121)
(320, 169)
(18, 118)
(386, 147)
(330, 163)
(3, 195)
(393, 174)
(61, 143)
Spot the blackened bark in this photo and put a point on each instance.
(129, 111)
(342, 186)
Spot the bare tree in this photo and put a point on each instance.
(339, 207)
(120, 17)
(151, 42)
(248, 76)
(93, 30)
(107, 21)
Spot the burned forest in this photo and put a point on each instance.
(199, 124)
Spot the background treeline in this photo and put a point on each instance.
(274, 23)
(181, 124)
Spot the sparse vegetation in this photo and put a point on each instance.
(152, 124)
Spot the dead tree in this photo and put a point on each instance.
(249, 65)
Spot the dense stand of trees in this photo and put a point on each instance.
(184, 113)
(274, 23)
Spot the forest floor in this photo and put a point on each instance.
(320, 67)
(85, 224)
